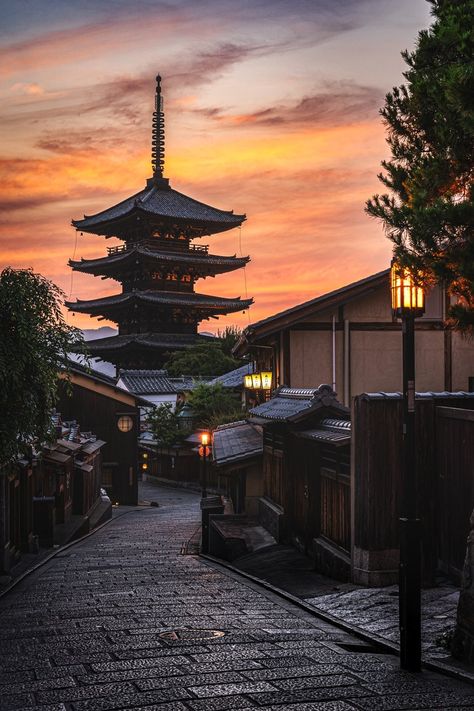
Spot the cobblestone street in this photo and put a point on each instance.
(123, 620)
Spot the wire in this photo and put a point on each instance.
(245, 271)
(72, 259)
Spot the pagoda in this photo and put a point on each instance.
(158, 310)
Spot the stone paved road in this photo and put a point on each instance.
(84, 633)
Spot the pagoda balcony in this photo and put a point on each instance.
(159, 245)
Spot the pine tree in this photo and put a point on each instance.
(429, 215)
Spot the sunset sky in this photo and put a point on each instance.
(271, 108)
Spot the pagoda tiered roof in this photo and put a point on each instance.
(152, 341)
(171, 299)
(199, 261)
(159, 204)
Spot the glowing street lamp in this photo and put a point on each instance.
(204, 452)
(408, 303)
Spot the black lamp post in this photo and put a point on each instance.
(408, 303)
(205, 453)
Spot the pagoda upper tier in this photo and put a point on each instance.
(159, 210)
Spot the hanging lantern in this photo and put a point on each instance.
(256, 381)
(407, 297)
(248, 382)
(266, 378)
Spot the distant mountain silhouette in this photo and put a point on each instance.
(90, 334)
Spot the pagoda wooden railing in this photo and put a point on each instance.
(162, 246)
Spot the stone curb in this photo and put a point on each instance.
(374, 639)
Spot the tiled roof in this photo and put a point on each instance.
(186, 383)
(161, 201)
(419, 395)
(194, 259)
(147, 382)
(336, 432)
(293, 404)
(166, 298)
(233, 379)
(169, 341)
(236, 442)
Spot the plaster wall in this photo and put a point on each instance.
(311, 358)
(429, 361)
(375, 361)
(375, 306)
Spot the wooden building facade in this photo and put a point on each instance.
(350, 339)
(114, 415)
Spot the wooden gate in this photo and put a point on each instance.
(455, 463)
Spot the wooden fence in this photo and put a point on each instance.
(376, 478)
(455, 468)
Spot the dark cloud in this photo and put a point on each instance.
(337, 104)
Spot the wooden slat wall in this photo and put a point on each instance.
(455, 458)
(377, 448)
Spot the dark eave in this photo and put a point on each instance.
(201, 263)
(152, 341)
(159, 203)
(167, 299)
(300, 312)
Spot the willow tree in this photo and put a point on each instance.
(428, 212)
(34, 343)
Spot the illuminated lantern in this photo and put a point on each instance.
(248, 381)
(408, 299)
(266, 377)
(256, 381)
(204, 438)
(125, 423)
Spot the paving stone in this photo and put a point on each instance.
(321, 694)
(37, 685)
(393, 702)
(15, 701)
(284, 672)
(223, 703)
(137, 699)
(84, 692)
(316, 682)
(284, 661)
(228, 689)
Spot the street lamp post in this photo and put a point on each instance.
(205, 454)
(408, 303)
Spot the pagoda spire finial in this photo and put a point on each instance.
(158, 134)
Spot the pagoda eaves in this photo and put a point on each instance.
(159, 207)
(199, 263)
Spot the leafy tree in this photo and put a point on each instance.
(213, 405)
(205, 358)
(34, 342)
(429, 215)
(228, 338)
(164, 424)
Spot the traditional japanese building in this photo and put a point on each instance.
(158, 264)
